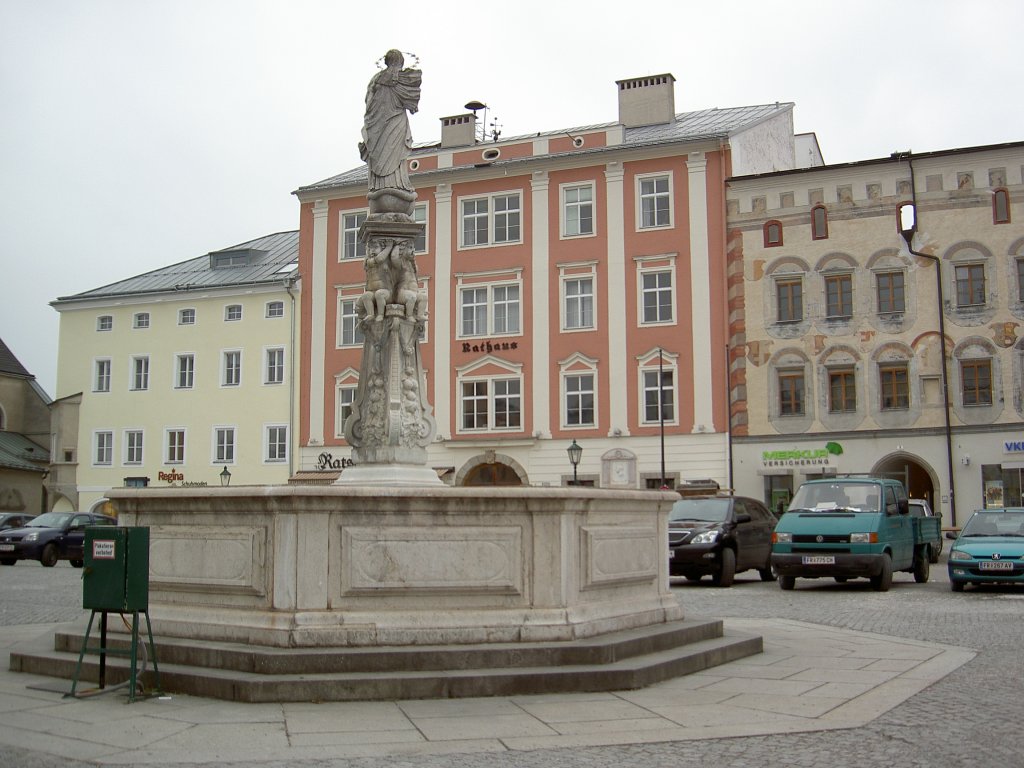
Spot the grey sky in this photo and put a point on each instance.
(138, 134)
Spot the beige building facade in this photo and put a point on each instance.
(182, 376)
(836, 362)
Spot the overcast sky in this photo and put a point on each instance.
(137, 133)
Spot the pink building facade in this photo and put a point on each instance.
(577, 290)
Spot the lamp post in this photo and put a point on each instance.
(225, 478)
(575, 452)
(908, 226)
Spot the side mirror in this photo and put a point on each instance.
(743, 517)
(902, 506)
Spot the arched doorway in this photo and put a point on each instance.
(919, 479)
(491, 468)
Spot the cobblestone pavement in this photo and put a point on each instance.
(971, 717)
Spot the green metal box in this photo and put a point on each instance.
(116, 572)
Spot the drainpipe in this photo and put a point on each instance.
(908, 235)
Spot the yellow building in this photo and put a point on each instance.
(184, 375)
(836, 363)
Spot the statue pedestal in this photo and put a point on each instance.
(362, 566)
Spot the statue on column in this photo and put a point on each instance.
(391, 423)
(392, 93)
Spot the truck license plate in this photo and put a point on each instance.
(995, 565)
(818, 560)
(6, 547)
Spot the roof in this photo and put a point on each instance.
(269, 257)
(18, 452)
(10, 365)
(701, 125)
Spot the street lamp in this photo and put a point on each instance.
(225, 478)
(575, 452)
(908, 226)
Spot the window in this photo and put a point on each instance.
(419, 215)
(346, 398)
(1001, 207)
(140, 320)
(790, 299)
(976, 380)
(277, 443)
(275, 366)
(101, 381)
(1020, 279)
(791, 393)
(819, 222)
(133, 446)
(659, 402)
(579, 302)
(232, 368)
(105, 323)
(491, 404)
(104, 455)
(185, 371)
(175, 446)
(275, 309)
(579, 400)
(656, 296)
(889, 289)
(655, 202)
(894, 384)
(970, 285)
(842, 391)
(140, 373)
(491, 309)
(186, 317)
(351, 335)
(224, 445)
(494, 219)
(839, 296)
(772, 234)
(351, 247)
(578, 210)
(233, 312)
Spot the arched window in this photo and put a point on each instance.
(1001, 207)
(819, 222)
(772, 234)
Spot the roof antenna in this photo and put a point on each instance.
(476, 106)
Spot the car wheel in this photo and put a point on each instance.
(934, 552)
(787, 582)
(883, 580)
(49, 556)
(77, 563)
(727, 570)
(922, 565)
(9, 561)
(767, 574)
(957, 586)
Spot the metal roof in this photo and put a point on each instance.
(703, 124)
(18, 452)
(268, 258)
(10, 365)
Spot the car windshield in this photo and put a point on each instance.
(50, 520)
(838, 496)
(995, 524)
(703, 510)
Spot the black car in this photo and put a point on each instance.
(50, 537)
(14, 520)
(720, 536)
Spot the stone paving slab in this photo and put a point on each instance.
(810, 678)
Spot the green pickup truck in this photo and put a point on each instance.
(852, 527)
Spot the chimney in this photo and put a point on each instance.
(458, 131)
(647, 100)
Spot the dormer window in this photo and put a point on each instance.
(239, 257)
